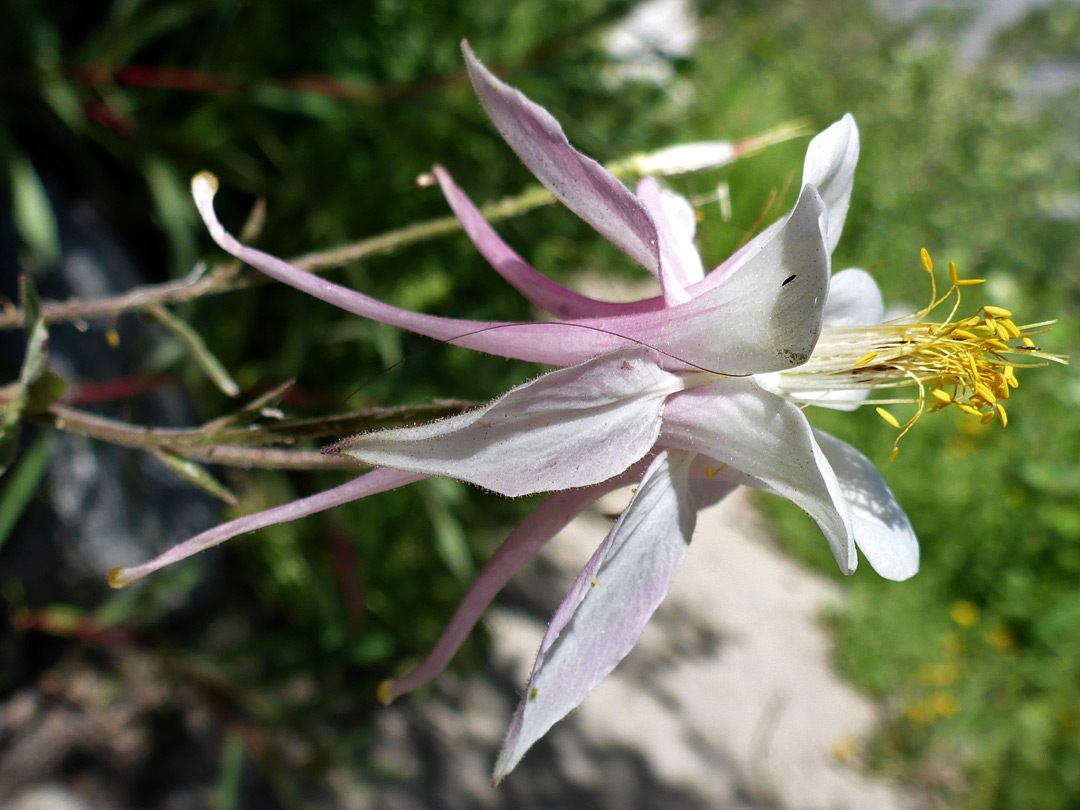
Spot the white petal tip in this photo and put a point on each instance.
(204, 186)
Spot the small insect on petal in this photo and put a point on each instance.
(788, 280)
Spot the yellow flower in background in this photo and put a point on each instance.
(964, 613)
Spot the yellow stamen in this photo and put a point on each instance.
(888, 417)
(968, 362)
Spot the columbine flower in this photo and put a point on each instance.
(688, 395)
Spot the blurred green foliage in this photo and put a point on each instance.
(983, 711)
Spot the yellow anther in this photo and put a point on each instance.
(927, 263)
(985, 393)
(594, 582)
(884, 414)
(895, 452)
(969, 282)
(967, 362)
(709, 472)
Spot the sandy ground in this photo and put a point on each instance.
(729, 700)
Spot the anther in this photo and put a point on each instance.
(888, 417)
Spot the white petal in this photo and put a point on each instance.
(830, 167)
(680, 213)
(670, 271)
(569, 428)
(765, 314)
(854, 299)
(580, 183)
(608, 605)
(766, 442)
(882, 531)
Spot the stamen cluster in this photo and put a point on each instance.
(969, 363)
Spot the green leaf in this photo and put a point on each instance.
(33, 213)
(20, 486)
(198, 349)
(195, 473)
(250, 412)
(36, 361)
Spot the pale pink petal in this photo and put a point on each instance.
(370, 483)
(764, 316)
(883, 532)
(854, 300)
(830, 167)
(520, 547)
(672, 276)
(680, 213)
(569, 428)
(579, 182)
(535, 286)
(765, 437)
(556, 344)
(609, 603)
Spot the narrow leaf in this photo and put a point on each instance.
(251, 411)
(195, 474)
(32, 212)
(202, 355)
(20, 486)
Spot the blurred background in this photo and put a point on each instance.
(246, 677)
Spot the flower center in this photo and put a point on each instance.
(969, 363)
